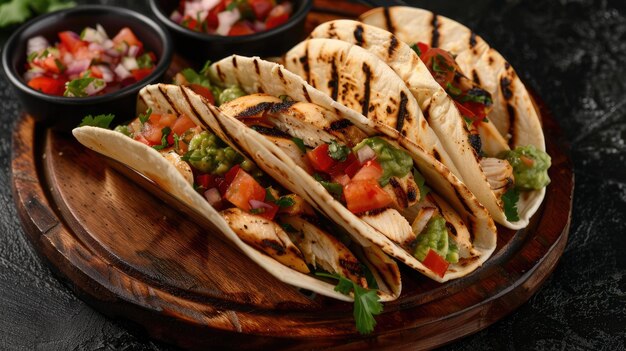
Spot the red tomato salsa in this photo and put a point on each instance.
(232, 17)
(87, 64)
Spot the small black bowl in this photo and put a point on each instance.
(65, 113)
(198, 47)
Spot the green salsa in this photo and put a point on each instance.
(435, 237)
(530, 167)
(395, 162)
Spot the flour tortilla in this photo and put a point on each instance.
(150, 163)
(442, 114)
(254, 75)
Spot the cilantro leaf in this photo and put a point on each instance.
(285, 201)
(300, 144)
(143, 117)
(77, 87)
(144, 61)
(337, 151)
(416, 49)
(231, 6)
(205, 69)
(452, 90)
(510, 199)
(101, 121)
(366, 302)
(335, 189)
(268, 196)
(194, 78)
(478, 95)
(165, 131)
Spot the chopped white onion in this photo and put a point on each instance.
(95, 47)
(255, 204)
(77, 66)
(33, 73)
(176, 16)
(94, 87)
(130, 63)
(107, 74)
(226, 20)
(102, 32)
(258, 26)
(133, 50)
(212, 196)
(365, 153)
(93, 36)
(108, 44)
(36, 44)
(121, 72)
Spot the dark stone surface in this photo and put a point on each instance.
(572, 52)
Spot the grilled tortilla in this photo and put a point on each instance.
(468, 221)
(471, 146)
(287, 256)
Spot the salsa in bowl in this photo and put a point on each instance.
(65, 111)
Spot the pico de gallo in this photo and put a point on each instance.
(473, 102)
(87, 64)
(231, 17)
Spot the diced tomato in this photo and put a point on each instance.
(51, 64)
(204, 92)
(353, 168)
(141, 73)
(279, 15)
(261, 8)
(126, 35)
(230, 175)
(423, 47)
(465, 112)
(527, 161)
(240, 28)
(365, 195)
(212, 19)
(479, 110)
(320, 159)
(140, 138)
(190, 23)
(166, 120)
(242, 189)
(95, 72)
(339, 168)
(72, 41)
(48, 85)
(269, 213)
(182, 124)
(446, 66)
(206, 181)
(371, 170)
(152, 133)
(436, 263)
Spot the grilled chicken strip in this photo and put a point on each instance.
(391, 223)
(499, 174)
(292, 150)
(404, 191)
(321, 249)
(266, 236)
(181, 166)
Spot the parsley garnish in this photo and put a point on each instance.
(300, 144)
(421, 184)
(510, 199)
(337, 151)
(165, 131)
(416, 49)
(76, 87)
(143, 117)
(366, 302)
(101, 121)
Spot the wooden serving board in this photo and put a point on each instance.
(134, 256)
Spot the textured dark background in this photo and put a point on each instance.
(572, 52)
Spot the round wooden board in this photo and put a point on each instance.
(134, 256)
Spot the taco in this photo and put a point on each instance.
(473, 143)
(277, 229)
(512, 110)
(355, 174)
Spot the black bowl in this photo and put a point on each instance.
(64, 113)
(199, 47)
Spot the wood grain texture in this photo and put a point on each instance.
(133, 256)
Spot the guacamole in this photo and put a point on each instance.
(229, 94)
(530, 167)
(395, 162)
(435, 237)
(208, 154)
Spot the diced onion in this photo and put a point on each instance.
(108, 44)
(212, 196)
(133, 51)
(107, 74)
(93, 36)
(95, 86)
(102, 31)
(36, 44)
(256, 204)
(226, 20)
(130, 63)
(95, 47)
(77, 66)
(258, 26)
(121, 72)
(365, 153)
(33, 73)
(176, 17)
